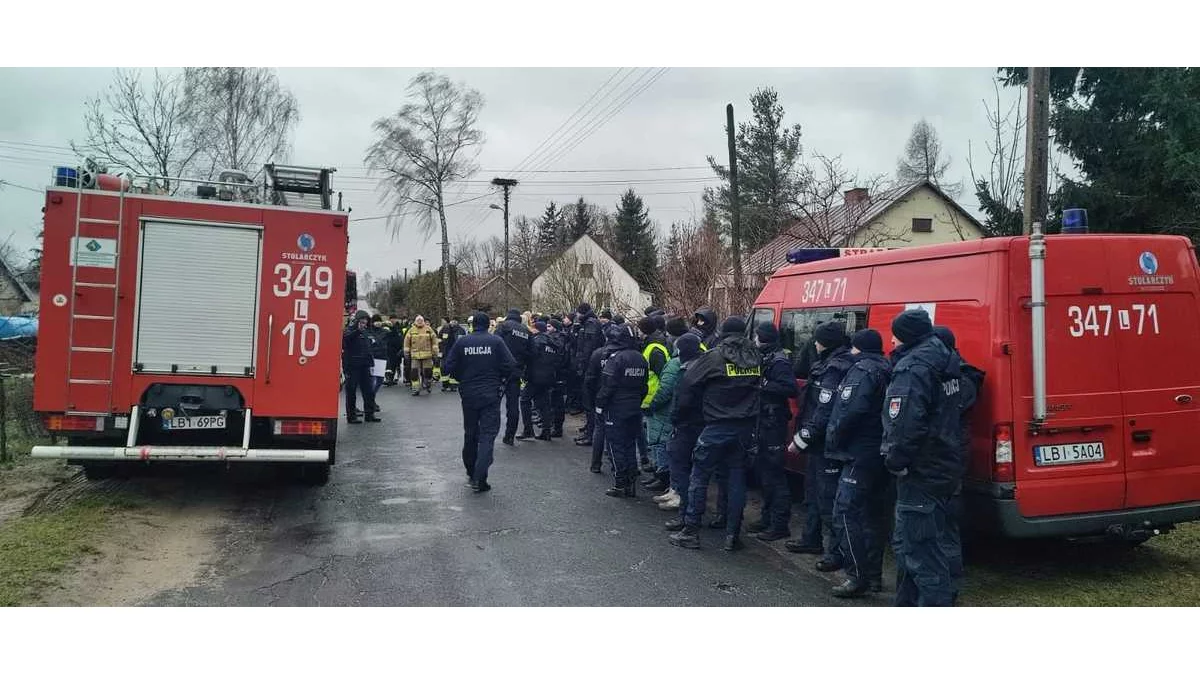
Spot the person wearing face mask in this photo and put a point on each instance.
(685, 428)
(820, 480)
(852, 442)
(774, 414)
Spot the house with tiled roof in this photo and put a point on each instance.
(15, 295)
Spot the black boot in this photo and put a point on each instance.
(556, 433)
(657, 485)
(828, 565)
(544, 436)
(595, 468)
(687, 537)
(851, 588)
(717, 523)
(773, 535)
(507, 440)
(757, 526)
(673, 525)
(797, 546)
(732, 543)
(353, 419)
(526, 435)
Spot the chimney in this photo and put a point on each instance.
(855, 196)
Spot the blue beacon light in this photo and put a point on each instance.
(1075, 221)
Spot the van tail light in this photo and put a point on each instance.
(74, 423)
(1002, 460)
(301, 427)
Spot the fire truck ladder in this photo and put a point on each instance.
(74, 382)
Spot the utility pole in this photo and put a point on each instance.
(735, 221)
(507, 184)
(418, 267)
(1037, 147)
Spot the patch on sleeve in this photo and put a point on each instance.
(804, 434)
(826, 395)
(847, 392)
(894, 404)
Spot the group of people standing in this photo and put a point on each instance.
(884, 437)
(408, 352)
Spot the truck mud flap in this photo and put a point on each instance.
(178, 453)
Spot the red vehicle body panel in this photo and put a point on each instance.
(1123, 363)
(281, 385)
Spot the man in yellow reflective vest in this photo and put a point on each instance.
(656, 353)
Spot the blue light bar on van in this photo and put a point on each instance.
(806, 255)
(1075, 221)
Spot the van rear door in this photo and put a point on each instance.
(1157, 326)
(1076, 463)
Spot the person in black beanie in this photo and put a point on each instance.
(589, 336)
(778, 388)
(820, 485)
(852, 441)
(516, 337)
(657, 354)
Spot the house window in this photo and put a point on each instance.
(922, 225)
(585, 270)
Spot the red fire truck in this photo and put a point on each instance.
(1090, 411)
(203, 326)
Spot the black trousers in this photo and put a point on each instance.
(536, 396)
(512, 407)
(359, 378)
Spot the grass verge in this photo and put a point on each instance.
(34, 549)
(1164, 571)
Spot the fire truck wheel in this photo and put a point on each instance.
(314, 474)
(99, 470)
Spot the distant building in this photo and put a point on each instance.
(15, 295)
(915, 214)
(489, 296)
(587, 272)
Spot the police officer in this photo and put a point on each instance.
(482, 364)
(516, 338)
(723, 385)
(852, 440)
(377, 332)
(356, 354)
(558, 409)
(774, 413)
(922, 447)
(820, 479)
(619, 402)
(971, 383)
(685, 430)
(591, 389)
(704, 325)
(541, 372)
(395, 352)
(588, 338)
(657, 353)
(447, 335)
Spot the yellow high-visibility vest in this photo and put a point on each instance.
(652, 377)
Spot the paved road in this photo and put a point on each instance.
(397, 526)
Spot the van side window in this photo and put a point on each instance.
(796, 326)
(760, 315)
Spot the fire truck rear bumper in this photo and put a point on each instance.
(179, 453)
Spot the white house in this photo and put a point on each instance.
(15, 295)
(586, 272)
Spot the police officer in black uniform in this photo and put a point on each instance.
(395, 352)
(356, 355)
(516, 338)
(820, 479)
(852, 440)
(619, 402)
(591, 389)
(482, 364)
(723, 386)
(774, 413)
(686, 428)
(447, 334)
(922, 447)
(558, 392)
(541, 372)
(588, 338)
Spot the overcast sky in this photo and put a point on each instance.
(677, 119)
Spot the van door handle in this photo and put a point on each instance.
(1141, 436)
(1183, 399)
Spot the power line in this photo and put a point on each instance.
(408, 214)
(4, 183)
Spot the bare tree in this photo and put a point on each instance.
(525, 253)
(144, 128)
(834, 205)
(1001, 190)
(692, 262)
(923, 160)
(430, 143)
(242, 118)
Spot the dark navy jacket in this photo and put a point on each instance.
(922, 424)
(855, 429)
(591, 379)
(356, 348)
(482, 364)
(778, 385)
(816, 402)
(588, 338)
(545, 360)
(516, 337)
(623, 378)
(723, 383)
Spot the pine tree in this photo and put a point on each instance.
(551, 231)
(633, 242)
(581, 220)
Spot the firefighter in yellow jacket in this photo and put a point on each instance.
(421, 344)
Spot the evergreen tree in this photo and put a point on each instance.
(551, 231)
(633, 243)
(581, 220)
(768, 176)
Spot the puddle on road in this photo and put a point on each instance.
(405, 500)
